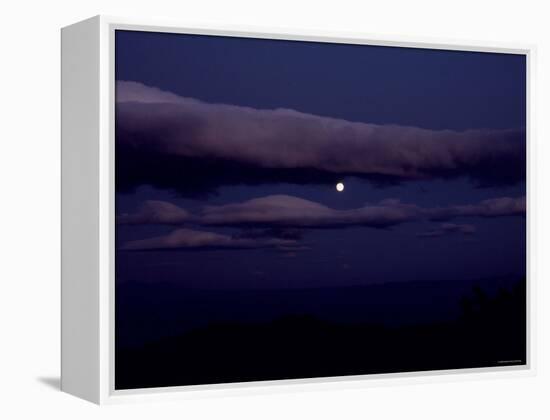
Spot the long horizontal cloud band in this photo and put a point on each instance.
(280, 212)
(194, 239)
(448, 228)
(166, 132)
(289, 211)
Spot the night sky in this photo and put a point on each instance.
(228, 152)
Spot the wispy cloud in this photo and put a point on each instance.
(194, 239)
(284, 211)
(494, 207)
(447, 229)
(289, 211)
(156, 212)
(279, 221)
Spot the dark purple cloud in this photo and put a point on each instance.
(289, 211)
(495, 207)
(278, 213)
(193, 239)
(279, 221)
(273, 232)
(156, 212)
(448, 228)
(163, 138)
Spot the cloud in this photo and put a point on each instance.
(193, 147)
(285, 217)
(279, 221)
(156, 212)
(188, 239)
(138, 92)
(495, 207)
(448, 228)
(289, 211)
(273, 232)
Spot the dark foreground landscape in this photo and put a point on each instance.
(487, 329)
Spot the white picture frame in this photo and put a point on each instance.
(87, 319)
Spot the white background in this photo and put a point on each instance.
(29, 206)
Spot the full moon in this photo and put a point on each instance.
(339, 187)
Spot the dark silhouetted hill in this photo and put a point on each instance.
(488, 330)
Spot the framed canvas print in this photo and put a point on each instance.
(243, 207)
